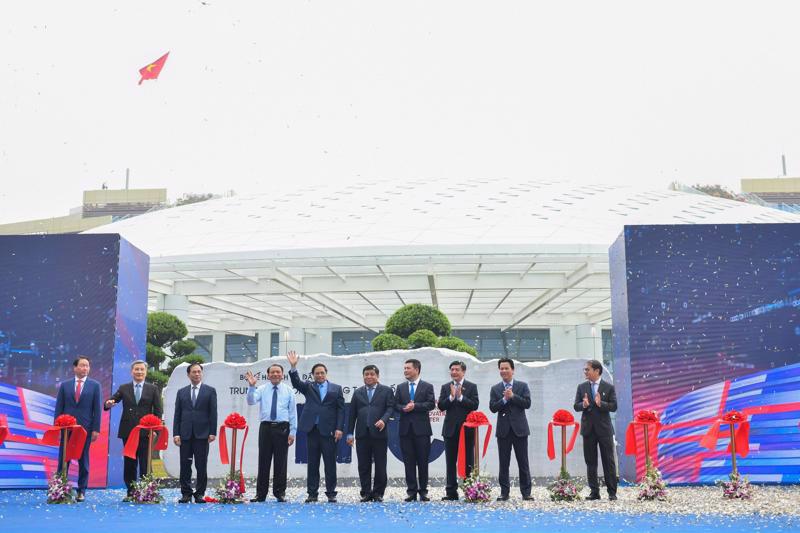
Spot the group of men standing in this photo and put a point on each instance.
(323, 421)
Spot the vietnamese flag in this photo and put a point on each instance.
(151, 71)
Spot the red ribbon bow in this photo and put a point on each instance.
(475, 419)
(741, 435)
(233, 421)
(644, 418)
(561, 418)
(75, 441)
(149, 422)
(3, 428)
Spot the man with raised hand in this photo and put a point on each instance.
(323, 422)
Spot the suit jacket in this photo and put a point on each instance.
(149, 403)
(87, 411)
(424, 402)
(199, 421)
(457, 411)
(364, 414)
(595, 418)
(329, 409)
(511, 415)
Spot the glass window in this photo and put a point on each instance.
(274, 344)
(204, 343)
(352, 342)
(241, 348)
(519, 344)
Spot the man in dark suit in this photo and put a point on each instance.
(370, 409)
(457, 399)
(193, 429)
(323, 422)
(413, 400)
(82, 398)
(510, 398)
(138, 399)
(596, 399)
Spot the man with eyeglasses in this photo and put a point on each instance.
(596, 399)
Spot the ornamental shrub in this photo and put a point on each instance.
(413, 317)
(456, 344)
(422, 338)
(387, 341)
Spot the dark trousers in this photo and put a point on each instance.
(132, 469)
(324, 446)
(416, 451)
(83, 463)
(369, 450)
(197, 450)
(273, 447)
(451, 458)
(607, 454)
(520, 445)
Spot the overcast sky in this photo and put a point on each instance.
(259, 93)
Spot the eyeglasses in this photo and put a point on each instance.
(587, 369)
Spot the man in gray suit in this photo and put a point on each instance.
(596, 399)
(510, 398)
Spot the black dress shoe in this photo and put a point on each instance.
(80, 497)
(280, 499)
(199, 499)
(331, 499)
(502, 498)
(449, 498)
(365, 499)
(410, 499)
(311, 499)
(185, 499)
(593, 497)
(257, 500)
(528, 498)
(612, 497)
(424, 498)
(377, 499)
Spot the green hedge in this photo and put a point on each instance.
(387, 341)
(422, 338)
(456, 344)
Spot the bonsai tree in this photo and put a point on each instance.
(413, 317)
(387, 341)
(165, 340)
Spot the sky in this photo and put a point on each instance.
(262, 94)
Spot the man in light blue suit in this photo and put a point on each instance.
(82, 398)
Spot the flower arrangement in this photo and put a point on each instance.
(563, 416)
(652, 487)
(564, 489)
(228, 489)
(476, 487)
(645, 416)
(146, 490)
(737, 488)
(59, 489)
(150, 421)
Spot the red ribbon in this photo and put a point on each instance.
(561, 418)
(475, 419)
(149, 422)
(234, 423)
(643, 419)
(3, 428)
(75, 442)
(741, 436)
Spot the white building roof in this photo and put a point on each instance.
(488, 252)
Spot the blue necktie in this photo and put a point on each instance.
(194, 395)
(369, 394)
(138, 392)
(411, 393)
(273, 411)
(594, 390)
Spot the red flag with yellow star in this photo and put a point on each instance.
(151, 71)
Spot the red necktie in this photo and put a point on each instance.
(77, 391)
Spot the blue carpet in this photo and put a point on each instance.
(102, 512)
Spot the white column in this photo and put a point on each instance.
(589, 339)
(264, 336)
(218, 346)
(174, 304)
(292, 339)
